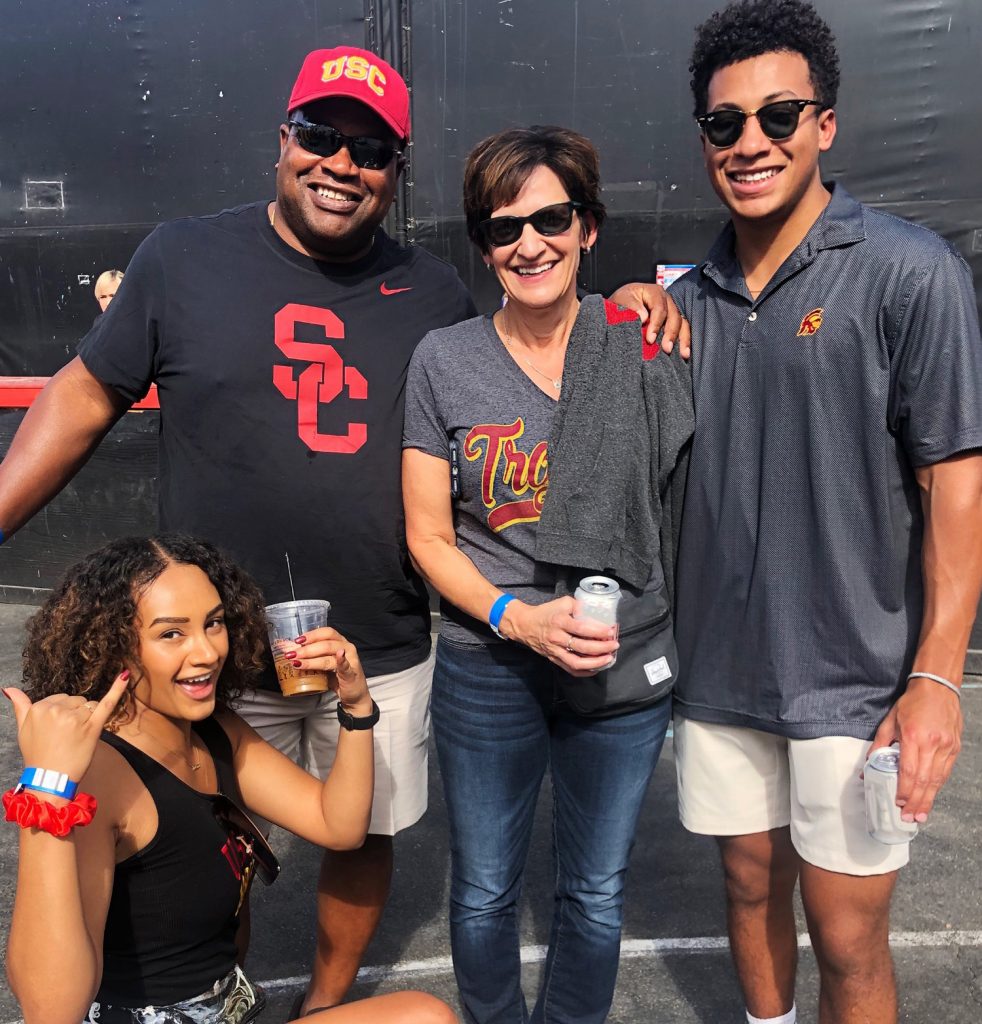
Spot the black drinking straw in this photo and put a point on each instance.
(293, 594)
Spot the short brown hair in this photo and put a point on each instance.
(499, 166)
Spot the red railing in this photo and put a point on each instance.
(20, 392)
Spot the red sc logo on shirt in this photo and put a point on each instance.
(320, 382)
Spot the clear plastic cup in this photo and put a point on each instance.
(285, 622)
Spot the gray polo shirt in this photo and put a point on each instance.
(799, 582)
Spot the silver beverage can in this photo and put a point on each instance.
(882, 813)
(597, 598)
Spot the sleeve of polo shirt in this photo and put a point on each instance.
(423, 426)
(123, 348)
(936, 369)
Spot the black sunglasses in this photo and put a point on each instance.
(778, 121)
(550, 220)
(323, 140)
(238, 825)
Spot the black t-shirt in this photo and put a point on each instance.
(281, 382)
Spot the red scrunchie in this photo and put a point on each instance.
(30, 812)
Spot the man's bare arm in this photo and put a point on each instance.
(927, 720)
(60, 431)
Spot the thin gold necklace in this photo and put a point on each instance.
(194, 766)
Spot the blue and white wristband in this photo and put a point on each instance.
(497, 612)
(47, 780)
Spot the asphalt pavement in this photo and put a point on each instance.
(675, 967)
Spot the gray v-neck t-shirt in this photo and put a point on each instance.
(465, 389)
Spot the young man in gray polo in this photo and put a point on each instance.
(831, 554)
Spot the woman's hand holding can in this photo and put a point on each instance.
(581, 647)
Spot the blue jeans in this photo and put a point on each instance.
(498, 722)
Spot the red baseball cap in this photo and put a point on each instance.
(358, 74)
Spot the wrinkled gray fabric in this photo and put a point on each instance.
(618, 452)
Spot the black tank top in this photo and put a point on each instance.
(170, 930)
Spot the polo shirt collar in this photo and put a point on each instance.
(842, 223)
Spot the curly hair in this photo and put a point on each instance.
(499, 166)
(750, 28)
(83, 634)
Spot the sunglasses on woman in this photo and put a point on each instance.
(778, 121)
(550, 220)
(323, 140)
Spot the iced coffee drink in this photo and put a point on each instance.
(286, 621)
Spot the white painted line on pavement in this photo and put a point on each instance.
(631, 949)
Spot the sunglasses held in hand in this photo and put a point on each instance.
(778, 121)
(550, 220)
(323, 140)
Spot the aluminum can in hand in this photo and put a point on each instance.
(597, 598)
(882, 813)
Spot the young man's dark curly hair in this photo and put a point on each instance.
(754, 27)
(87, 630)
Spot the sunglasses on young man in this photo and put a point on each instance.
(323, 140)
(778, 121)
(550, 220)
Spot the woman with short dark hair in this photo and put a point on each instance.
(483, 409)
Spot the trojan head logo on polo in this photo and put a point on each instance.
(357, 69)
(811, 322)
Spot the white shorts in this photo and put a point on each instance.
(735, 781)
(306, 728)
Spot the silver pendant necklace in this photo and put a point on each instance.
(556, 382)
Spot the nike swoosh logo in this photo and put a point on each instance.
(392, 291)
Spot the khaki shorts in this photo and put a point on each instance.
(735, 781)
(306, 728)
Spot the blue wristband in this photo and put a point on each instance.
(46, 780)
(497, 611)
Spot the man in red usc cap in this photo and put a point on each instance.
(280, 334)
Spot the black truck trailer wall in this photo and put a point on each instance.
(118, 114)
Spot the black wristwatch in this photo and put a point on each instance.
(350, 722)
